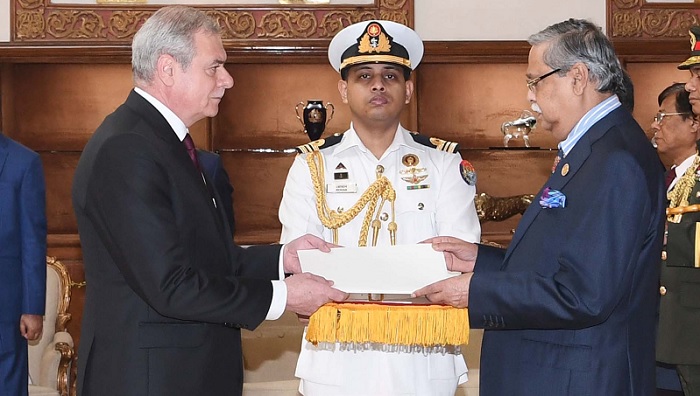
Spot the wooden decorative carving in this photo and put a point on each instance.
(634, 19)
(41, 22)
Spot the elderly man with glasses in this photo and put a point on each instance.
(676, 132)
(568, 308)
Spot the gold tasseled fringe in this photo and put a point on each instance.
(409, 325)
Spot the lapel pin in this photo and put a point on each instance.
(565, 170)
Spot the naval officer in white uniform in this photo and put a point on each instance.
(434, 195)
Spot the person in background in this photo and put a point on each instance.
(434, 191)
(569, 307)
(676, 132)
(213, 167)
(626, 94)
(167, 290)
(679, 310)
(22, 260)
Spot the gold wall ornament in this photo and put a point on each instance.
(665, 23)
(234, 25)
(288, 24)
(30, 4)
(640, 19)
(124, 24)
(626, 4)
(394, 15)
(75, 24)
(627, 24)
(333, 22)
(393, 4)
(30, 24)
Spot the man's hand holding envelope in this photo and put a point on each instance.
(459, 256)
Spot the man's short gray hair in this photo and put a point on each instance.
(170, 30)
(580, 41)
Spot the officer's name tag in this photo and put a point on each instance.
(341, 187)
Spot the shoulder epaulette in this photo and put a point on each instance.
(436, 143)
(319, 144)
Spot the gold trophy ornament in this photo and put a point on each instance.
(313, 117)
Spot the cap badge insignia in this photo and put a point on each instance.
(374, 40)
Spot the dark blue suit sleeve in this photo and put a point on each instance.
(33, 231)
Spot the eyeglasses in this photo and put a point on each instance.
(660, 116)
(532, 84)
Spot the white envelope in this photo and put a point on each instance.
(378, 270)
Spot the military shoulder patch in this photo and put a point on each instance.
(468, 172)
(436, 143)
(319, 144)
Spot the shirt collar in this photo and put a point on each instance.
(683, 166)
(587, 121)
(175, 122)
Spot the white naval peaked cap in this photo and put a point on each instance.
(375, 41)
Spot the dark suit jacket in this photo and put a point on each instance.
(167, 291)
(213, 167)
(678, 341)
(22, 256)
(569, 308)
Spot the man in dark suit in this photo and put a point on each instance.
(213, 168)
(570, 307)
(167, 290)
(679, 310)
(22, 260)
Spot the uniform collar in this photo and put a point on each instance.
(681, 169)
(401, 138)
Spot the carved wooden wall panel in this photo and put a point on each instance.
(42, 22)
(638, 19)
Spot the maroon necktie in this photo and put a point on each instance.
(191, 150)
(670, 175)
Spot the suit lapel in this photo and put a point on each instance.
(558, 181)
(177, 149)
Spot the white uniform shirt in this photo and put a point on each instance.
(440, 204)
